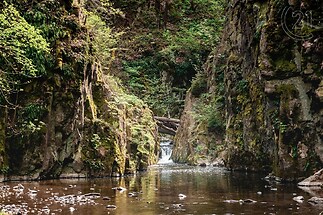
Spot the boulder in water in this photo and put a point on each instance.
(248, 201)
(298, 199)
(181, 196)
(316, 201)
(121, 189)
(315, 180)
(106, 198)
(111, 207)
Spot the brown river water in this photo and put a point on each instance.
(163, 189)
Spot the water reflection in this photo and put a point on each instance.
(158, 191)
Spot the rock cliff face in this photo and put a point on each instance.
(75, 121)
(183, 139)
(101, 132)
(271, 65)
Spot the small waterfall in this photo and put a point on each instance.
(166, 148)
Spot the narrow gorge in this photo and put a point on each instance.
(161, 107)
(86, 85)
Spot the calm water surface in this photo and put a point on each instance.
(157, 192)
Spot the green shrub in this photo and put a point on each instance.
(32, 112)
(23, 52)
(22, 48)
(209, 111)
(104, 39)
(199, 85)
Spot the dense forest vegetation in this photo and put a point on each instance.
(163, 45)
(81, 81)
(154, 47)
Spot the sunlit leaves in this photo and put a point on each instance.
(22, 47)
(22, 51)
(103, 38)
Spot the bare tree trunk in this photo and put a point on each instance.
(158, 12)
(166, 13)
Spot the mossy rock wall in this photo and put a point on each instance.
(183, 149)
(75, 120)
(196, 142)
(67, 140)
(272, 87)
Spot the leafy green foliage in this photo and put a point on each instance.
(199, 84)
(62, 29)
(104, 9)
(4, 170)
(242, 86)
(161, 98)
(164, 60)
(22, 52)
(104, 39)
(22, 47)
(209, 110)
(29, 119)
(32, 112)
(94, 164)
(46, 17)
(201, 8)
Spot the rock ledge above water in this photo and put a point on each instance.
(315, 180)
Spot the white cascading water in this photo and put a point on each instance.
(166, 148)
